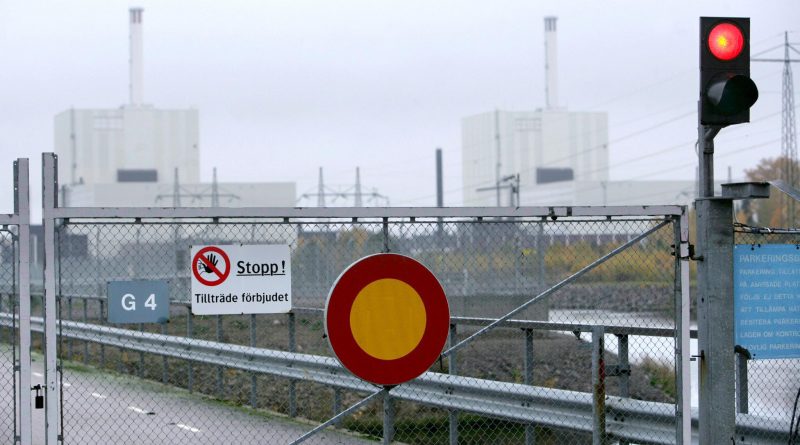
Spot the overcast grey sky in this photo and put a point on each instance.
(284, 87)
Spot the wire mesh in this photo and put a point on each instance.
(769, 388)
(487, 268)
(9, 337)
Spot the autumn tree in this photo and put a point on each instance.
(772, 212)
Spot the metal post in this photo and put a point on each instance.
(49, 204)
(85, 343)
(683, 305)
(102, 316)
(253, 382)
(599, 436)
(452, 362)
(530, 429)
(220, 392)
(624, 369)
(69, 340)
(715, 321)
(337, 401)
(388, 418)
(741, 383)
(189, 334)
(22, 209)
(164, 373)
(292, 347)
(386, 234)
(141, 355)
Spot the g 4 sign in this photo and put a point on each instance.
(138, 302)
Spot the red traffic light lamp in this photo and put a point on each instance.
(726, 90)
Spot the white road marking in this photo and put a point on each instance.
(98, 395)
(137, 410)
(38, 374)
(188, 428)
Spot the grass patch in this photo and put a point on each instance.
(661, 376)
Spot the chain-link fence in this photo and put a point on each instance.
(9, 336)
(598, 353)
(769, 388)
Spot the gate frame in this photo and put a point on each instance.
(51, 214)
(22, 219)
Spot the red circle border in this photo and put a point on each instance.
(214, 249)
(337, 318)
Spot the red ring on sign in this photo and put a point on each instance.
(222, 276)
(340, 302)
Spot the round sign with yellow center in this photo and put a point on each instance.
(387, 318)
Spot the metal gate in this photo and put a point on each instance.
(568, 325)
(15, 310)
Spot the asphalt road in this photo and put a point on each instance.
(101, 408)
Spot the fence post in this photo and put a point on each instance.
(220, 392)
(102, 346)
(453, 370)
(85, 343)
(164, 373)
(388, 418)
(599, 436)
(141, 355)
(50, 334)
(253, 382)
(189, 334)
(741, 382)
(70, 343)
(22, 209)
(292, 347)
(530, 429)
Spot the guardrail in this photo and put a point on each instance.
(625, 419)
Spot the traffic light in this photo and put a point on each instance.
(726, 90)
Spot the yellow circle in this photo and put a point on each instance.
(387, 319)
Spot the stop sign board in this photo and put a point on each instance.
(387, 318)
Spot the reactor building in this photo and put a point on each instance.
(142, 156)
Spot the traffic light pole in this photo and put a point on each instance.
(714, 301)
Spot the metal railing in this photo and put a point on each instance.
(624, 419)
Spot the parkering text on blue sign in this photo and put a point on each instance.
(766, 293)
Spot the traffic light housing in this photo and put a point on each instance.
(726, 90)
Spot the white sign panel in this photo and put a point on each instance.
(241, 279)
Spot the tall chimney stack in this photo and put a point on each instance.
(550, 62)
(136, 77)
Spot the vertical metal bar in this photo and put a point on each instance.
(85, 319)
(337, 401)
(253, 381)
(141, 355)
(452, 369)
(220, 391)
(388, 418)
(741, 383)
(49, 203)
(189, 334)
(385, 232)
(102, 317)
(69, 340)
(624, 371)
(530, 429)
(714, 321)
(292, 385)
(683, 351)
(599, 436)
(164, 373)
(100, 292)
(23, 210)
